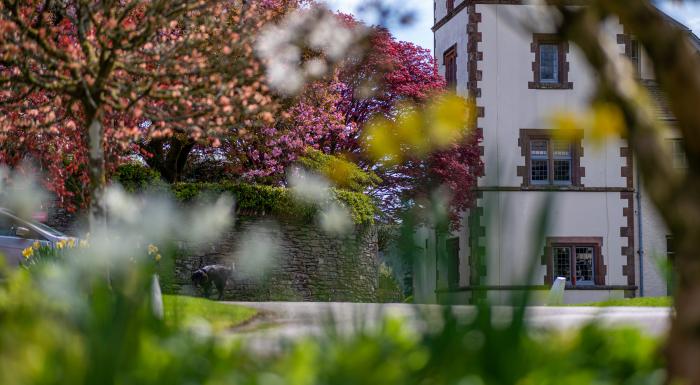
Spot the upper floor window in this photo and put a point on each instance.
(450, 62)
(632, 50)
(550, 67)
(450, 4)
(550, 161)
(634, 54)
(549, 63)
(680, 161)
(578, 259)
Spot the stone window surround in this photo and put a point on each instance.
(450, 54)
(599, 267)
(546, 38)
(577, 172)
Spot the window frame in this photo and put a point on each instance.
(599, 269)
(453, 262)
(450, 6)
(562, 81)
(679, 160)
(576, 172)
(449, 60)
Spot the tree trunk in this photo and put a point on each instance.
(683, 346)
(177, 158)
(169, 157)
(96, 171)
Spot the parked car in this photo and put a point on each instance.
(16, 234)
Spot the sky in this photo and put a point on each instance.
(418, 32)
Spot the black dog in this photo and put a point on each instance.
(212, 274)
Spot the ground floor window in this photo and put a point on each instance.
(452, 246)
(578, 259)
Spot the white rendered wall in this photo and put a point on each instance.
(441, 8)
(512, 218)
(654, 238)
(453, 32)
(511, 106)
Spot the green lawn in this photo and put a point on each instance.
(182, 309)
(643, 301)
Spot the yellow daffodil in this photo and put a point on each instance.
(608, 121)
(158, 257)
(28, 252)
(71, 243)
(36, 245)
(152, 249)
(60, 244)
(83, 243)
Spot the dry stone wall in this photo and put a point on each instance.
(275, 260)
(287, 261)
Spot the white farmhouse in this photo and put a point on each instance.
(604, 237)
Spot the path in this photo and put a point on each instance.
(290, 320)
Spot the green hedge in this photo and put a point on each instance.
(251, 199)
(277, 201)
(136, 177)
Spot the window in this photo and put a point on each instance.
(452, 245)
(577, 259)
(549, 63)
(632, 50)
(550, 67)
(678, 154)
(634, 55)
(450, 6)
(450, 62)
(550, 161)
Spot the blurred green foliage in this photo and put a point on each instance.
(68, 326)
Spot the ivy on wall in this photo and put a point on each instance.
(251, 199)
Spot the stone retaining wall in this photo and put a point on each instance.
(286, 261)
(275, 260)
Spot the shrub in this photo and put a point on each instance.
(253, 199)
(389, 289)
(136, 177)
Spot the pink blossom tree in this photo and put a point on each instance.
(85, 79)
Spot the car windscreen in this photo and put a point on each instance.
(47, 229)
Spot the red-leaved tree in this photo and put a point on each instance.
(330, 116)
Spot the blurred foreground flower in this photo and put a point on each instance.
(600, 122)
(282, 46)
(258, 250)
(314, 189)
(415, 131)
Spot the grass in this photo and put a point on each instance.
(182, 310)
(642, 301)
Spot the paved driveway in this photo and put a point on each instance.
(289, 320)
